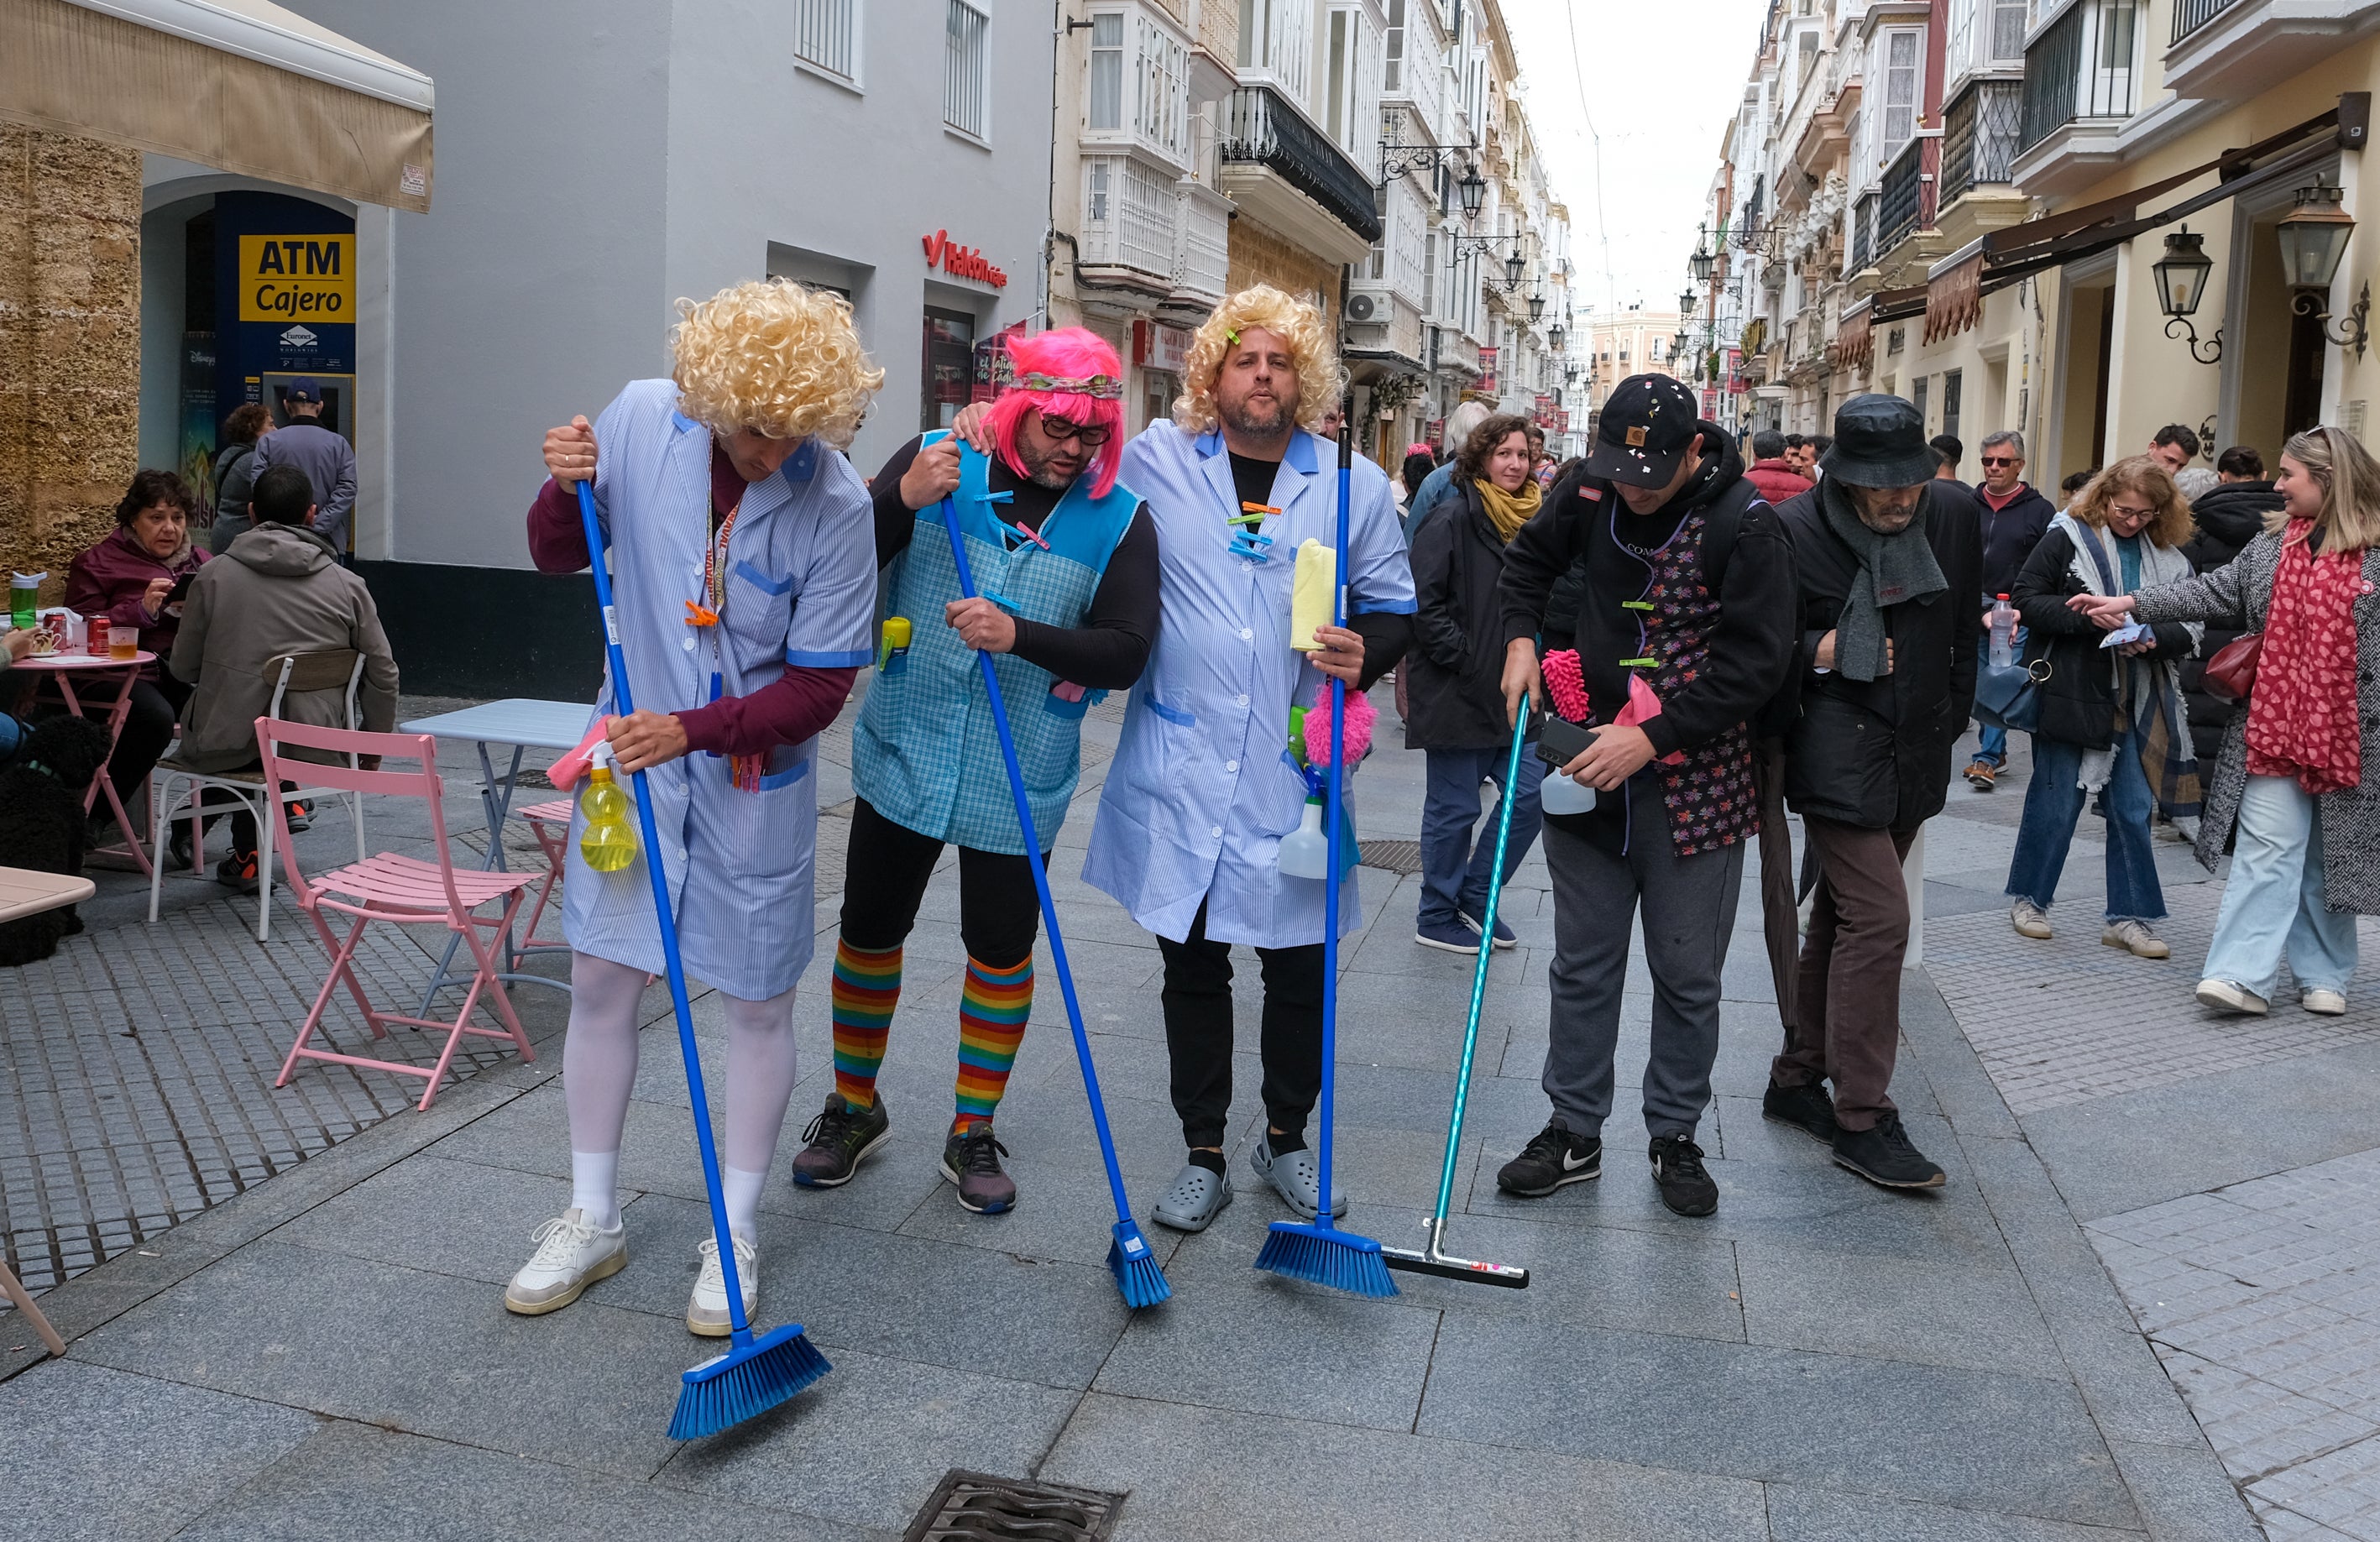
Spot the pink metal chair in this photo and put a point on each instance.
(549, 822)
(388, 887)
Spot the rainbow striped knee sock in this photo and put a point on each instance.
(867, 987)
(994, 1005)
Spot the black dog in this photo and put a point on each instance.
(42, 823)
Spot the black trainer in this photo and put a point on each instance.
(1556, 1157)
(1884, 1154)
(1807, 1109)
(971, 1159)
(840, 1138)
(1686, 1185)
(237, 873)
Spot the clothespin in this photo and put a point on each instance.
(701, 615)
(1032, 536)
(1251, 547)
(1003, 601)
(1640, 663)
(1635, 604)
(1251, 514)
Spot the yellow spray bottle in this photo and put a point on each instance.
(608, 841)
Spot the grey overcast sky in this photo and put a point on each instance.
(1643, 91)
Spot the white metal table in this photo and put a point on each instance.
(523, 724)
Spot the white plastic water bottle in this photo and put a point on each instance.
(1564, 794)
(2003, 623)
(1306, 851)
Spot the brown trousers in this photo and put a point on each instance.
(1845, 1026)
(1780, 919)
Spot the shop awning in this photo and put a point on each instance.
(239, 85)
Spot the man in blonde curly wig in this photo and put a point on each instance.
(1190, 823)
(743, 588)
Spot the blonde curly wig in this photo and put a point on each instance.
(1296, 322)
(775, 358)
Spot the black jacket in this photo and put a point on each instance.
(1454, 672)
(2010, 535)
(2078, 699)
(2229, 515)
(1876, 754)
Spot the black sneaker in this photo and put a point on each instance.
(1686, 1184)
(178, 848)
(1556, 1157)
(971, 1159)
(301, 815)
(1807, 1109)
(237, 872)
(1884, 1154)
(840, 1138)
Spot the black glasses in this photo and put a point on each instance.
(2002, 460)
(1058, 428)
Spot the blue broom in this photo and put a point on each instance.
(1318, 1252)
(755, 1375)
(1130, 1258)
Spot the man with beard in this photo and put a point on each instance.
(1688, 597)
(1191, 819)
(1064, 562)
(1887, 566)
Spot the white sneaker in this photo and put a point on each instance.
(2227, 996)
(705, 1310)
(2329, 1003)
(2029, 920)
(570, 1257)
(2135, 938)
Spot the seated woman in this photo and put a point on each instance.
(127, 579)
(2112, 720)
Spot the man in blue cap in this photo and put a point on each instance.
(324, 454)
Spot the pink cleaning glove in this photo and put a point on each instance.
(1566, 683)
(564, 774)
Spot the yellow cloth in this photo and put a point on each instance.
(1509, 511)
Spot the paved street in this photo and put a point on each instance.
(2143, 1294)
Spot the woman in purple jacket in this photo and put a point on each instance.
(126, 577)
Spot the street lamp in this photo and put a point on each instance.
(1473, 189)
(1701, 263)
(1514, 266)
(2314, 241)
(1554, 339)
(1686, 303)
(1537, 307)
(1679, 344)
(2182, 284)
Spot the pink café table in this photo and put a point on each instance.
(58, 672)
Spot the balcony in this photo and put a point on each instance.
(2082, 82)
(1864, 233)
(1905, 200)
(2233, 49)
(1142, 229)
(1283, 172)
(1202, 248)
(1979, 140)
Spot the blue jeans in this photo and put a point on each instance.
(2274, 901)
(1991, 747)
(2053, 803)
(1454, 873)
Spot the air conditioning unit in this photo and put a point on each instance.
(1361, 307)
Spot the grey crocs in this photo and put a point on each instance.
(1197, 1196)
(1296, 1177)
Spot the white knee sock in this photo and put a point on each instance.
(743, 1191)
(599, 1071)
(760, 1075)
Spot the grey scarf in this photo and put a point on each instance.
(1891, 569)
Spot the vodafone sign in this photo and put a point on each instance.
(961, 262)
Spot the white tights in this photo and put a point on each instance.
(599, 1071)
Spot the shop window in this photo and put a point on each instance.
(967, 65)
(1953, 387)
(949, 375)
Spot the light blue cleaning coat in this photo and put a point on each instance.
(801, 590)
(1202, 789)
(924, 752)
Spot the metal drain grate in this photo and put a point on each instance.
(1402, 857)
(974, 1507)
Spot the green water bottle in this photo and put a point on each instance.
(24, 596)
(608, 841)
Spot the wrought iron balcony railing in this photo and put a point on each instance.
(1905, 200)
(2189, 16)
(1979, 135)
(1261, 127)
(2082, 65)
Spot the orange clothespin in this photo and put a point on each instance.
(701, 615)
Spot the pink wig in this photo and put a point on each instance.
(1066, 354)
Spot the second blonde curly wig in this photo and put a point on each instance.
(1296, 322)
(775, 358)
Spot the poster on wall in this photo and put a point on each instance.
(194, 428)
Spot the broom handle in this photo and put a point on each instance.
(1041, 877)
(1335, 801)
(654, 869)
(1479, 973)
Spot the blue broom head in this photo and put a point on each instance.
(1326, 1256)
(749, 1379)
(1133, 1264)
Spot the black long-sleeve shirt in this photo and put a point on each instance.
(1111, 649)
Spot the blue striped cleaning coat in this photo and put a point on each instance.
(924, 753)
(801, 590)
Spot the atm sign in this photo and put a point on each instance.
(287, 278)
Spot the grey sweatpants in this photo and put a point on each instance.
(1688, 908)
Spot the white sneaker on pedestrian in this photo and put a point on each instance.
(2319, 999)
(2227, 996)
(2135, 938)
(2030, 920)
(705, 1310)
(570, 1257)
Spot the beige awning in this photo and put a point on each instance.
(239, 85)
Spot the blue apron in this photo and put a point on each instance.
(801, 591)
(924, 752)
(1202, 789)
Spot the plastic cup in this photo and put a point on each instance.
(123, 642)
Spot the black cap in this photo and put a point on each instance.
(1879, 442)
(1642, 435)
(303, 389)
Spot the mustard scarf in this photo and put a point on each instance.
(1509, 511)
